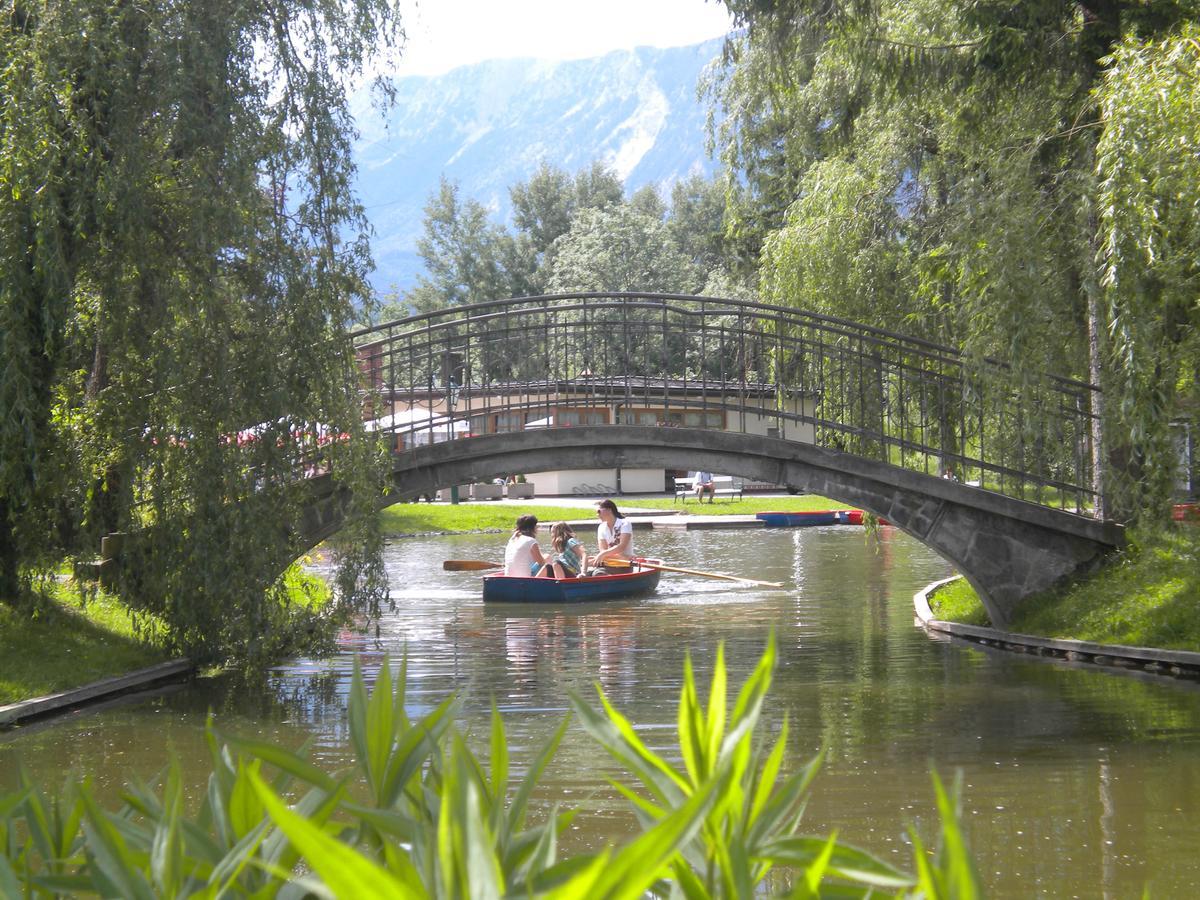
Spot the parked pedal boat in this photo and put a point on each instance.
(622, 585)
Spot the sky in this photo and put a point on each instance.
(443, 34)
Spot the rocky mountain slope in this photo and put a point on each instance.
(490, 125)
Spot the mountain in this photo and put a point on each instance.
(489, 126)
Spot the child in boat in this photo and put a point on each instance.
(569, 556)
(523, 556)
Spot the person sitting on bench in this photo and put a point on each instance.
(703, 484)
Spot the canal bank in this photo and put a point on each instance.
(1177, 663)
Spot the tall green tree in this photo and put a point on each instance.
(618, 248)
(543, 206)
(468, 258)
(179, 251)
(979, 125)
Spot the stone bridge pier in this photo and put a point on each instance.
(1008, 549)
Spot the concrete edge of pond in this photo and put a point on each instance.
(1179, 663)
(173, 670)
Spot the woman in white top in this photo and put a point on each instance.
(523, 555)
(614, 535)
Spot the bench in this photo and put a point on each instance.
(683, 488)
(723, 486)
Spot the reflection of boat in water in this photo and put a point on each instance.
(509, 589)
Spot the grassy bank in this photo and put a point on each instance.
(441, 518)
(747, 506)
(464, 518)
(68, 643)
(1149, 596)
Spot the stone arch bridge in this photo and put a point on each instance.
(989, 466)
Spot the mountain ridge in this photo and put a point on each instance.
(489, 125)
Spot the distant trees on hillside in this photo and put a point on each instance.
(571, 233)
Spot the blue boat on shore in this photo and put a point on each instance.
(640, 582)
(801, 519)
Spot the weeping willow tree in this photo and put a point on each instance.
(968, 173)
(179, 252)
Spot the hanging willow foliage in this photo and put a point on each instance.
(1017, 180)
(179, 251)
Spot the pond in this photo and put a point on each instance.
(1076, 782)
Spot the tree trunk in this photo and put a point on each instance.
(1095, 370)
(10, 581)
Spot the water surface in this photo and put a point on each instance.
(1077, 782)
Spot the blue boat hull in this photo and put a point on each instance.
(801, 519)
(505, 589)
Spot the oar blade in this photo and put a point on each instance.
(469, 565)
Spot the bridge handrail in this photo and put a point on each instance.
(859, 388)
(457, 314)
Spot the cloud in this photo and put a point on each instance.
(443, 34)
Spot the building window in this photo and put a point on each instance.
(694, 418)
(510, 422)
(581, 417)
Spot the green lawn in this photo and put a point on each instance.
(425, 518)
(1148, 596)
(748, 506)
(958, 602)
(67, 644)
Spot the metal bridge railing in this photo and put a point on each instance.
(706, 362)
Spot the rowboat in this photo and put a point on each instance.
(813, 517)
(802, 519)
(515, 589)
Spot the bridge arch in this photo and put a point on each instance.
(1007, 548)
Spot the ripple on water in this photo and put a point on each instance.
(1092, 775)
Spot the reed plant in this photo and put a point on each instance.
(419, 814)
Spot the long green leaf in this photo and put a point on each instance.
(230, 867)
(112, 857)
(11, 801)
(961, 879)
(615, 735)
(638, 865)
(346, 872)
(414, 747)
(690, 725)
(381, 734)
(768, 773)
(499, 760)
(10, 885)
(37, 817)
(520, 801)
(166, 854)
(572, 881)
(716, 707)
(286, 761)
(781, 814)
(356, 713)
(845, 861)
(757, 684)
(808, 887)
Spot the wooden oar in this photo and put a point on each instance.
(649, 565)
(469, 565)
